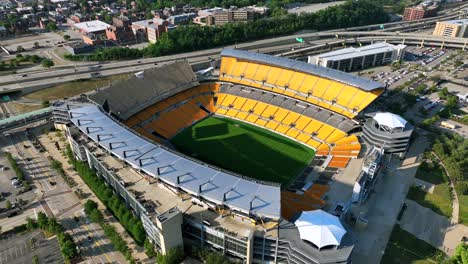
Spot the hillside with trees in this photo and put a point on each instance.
(192, 38)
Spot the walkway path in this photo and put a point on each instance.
(137, 251)
(455, 204)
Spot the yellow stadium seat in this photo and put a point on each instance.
(321, 87)
(259, 107)
(303, 137)
(302, 122)
(284, 78)
(242, 115)
(261, 122)
(313, 126)
(269, 111)
(221, 111)
(272, 125)
(337, 134)
(292, 133)
(251, 70)
(273, 75)
(297, 80)
(290, 118)
(239, 67)
(324, 132)
(282, 128)
(307, 84)
(281, 114)
(249, 105)
(232, 112)
(313, 143)
(262, 72)
(227, 65)
(252, 118)
(333, 91)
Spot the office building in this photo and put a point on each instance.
(452, 28)
(351, 59)
(419, 12)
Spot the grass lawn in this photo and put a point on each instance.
(245, 149)
(25, 108)
(74, 88)
(440, 201)
(403, 247)
(463, 205)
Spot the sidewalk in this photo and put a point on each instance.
(137, 251)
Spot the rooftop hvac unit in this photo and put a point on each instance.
(140, 74)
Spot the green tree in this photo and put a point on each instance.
(35, 259)
(45, 103)
(66, 37)
(461, 255)
(47, 63)
(36, 45)
(451, 102)
(53, 226)
(51, 26)
(8, 205)
(67, 245)
(173, 256)
(35, 58)
(30, 223)
(20, 49)
(42, 220)
(443, 93)
(90, 206)
(149, 248)
(96, 216)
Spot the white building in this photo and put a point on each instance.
(351, 59)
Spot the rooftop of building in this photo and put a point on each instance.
(91, 26)
(151, 23)
(347, 78)
(351, 52)
(458, 22)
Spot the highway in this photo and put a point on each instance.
(284, 46)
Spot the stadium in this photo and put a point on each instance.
(228, 158)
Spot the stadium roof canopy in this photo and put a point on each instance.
(212, 184)
(390, 120)
(343, 77)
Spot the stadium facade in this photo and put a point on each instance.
(123, 130)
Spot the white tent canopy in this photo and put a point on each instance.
(390, 120)
(320, 228)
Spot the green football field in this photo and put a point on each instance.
(244, 148)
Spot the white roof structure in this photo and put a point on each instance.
(390, 120)
(320, 228)
(194, 177)
(351, 52)
(458, 22)
(91, 26)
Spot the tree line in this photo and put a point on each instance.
(96, 216)
(192, 38)
(112, 202)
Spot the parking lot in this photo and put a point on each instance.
(9, 192)
(426, 58)
(20, 249)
